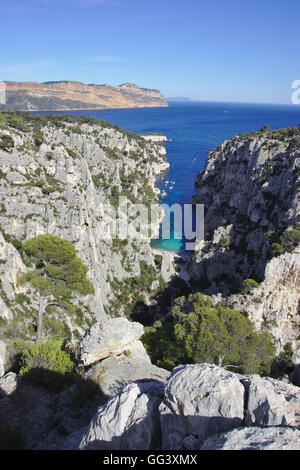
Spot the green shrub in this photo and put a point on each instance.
(199, 332)
(48, 355)
(247, 286)
(47, 364)
(38, 139)
(224, 243)
(289, 240)
(6, 142)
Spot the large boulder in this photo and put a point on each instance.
(2, 358)
(129, 421)
(271, 402)
(200, 400)
(113, 373)
(109, 338)
(272, 438)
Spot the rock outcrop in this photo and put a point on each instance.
(275, 304)
(115, 372)
(2, 358)
(109, 338)
(200, 407)
(271, 403)
(116, 355)
(250, 190)
(200, 401)
(70, 95)
(8, 383)
(274, 438)
(129, 421)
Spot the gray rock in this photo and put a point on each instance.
(75, 210)
(2, 358)
(200, 400)
(296, 354)
(272, 403)
(113, 373)
(272, 438)
(129, 421)
(274, 304)
(109, 338)
(8, 383)
(250, 198)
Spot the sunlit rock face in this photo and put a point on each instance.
(250, 189)
(62, 185)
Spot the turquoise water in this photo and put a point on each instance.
(194, 128)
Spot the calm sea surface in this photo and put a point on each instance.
(193, 128)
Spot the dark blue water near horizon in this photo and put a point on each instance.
(193, 128)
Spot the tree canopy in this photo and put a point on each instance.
(199, 331)
(57, 271)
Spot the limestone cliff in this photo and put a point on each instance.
(250, 189)
(68, 95)
(56, 175)
(275, 304)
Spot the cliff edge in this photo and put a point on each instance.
(70, 95)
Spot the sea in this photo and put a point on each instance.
(193, 128)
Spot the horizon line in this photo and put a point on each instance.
(190, 100)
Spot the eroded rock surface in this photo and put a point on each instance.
(129, 421)
(273, 438)
(109, 338)
(114, 372)
(200, 400)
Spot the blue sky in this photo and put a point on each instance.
(211, 50)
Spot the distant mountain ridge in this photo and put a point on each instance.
(72, 95)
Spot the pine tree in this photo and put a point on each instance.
(57, 273)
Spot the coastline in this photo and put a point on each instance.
(82, 109)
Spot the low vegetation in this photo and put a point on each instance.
(247, 286)
(288, 241)
(26, 122)
(48, 355)
(52, 365)
(6, 142)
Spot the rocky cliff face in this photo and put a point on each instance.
(34, 96)
(250, 189)
(200, 407)
(138, 406)
(275, 304)
(56, 177)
